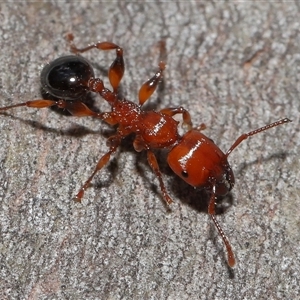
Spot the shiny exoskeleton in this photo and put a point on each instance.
(193, 157)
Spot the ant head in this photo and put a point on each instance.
(67, 77)
(200, 163)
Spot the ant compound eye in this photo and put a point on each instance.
(67, 77)
(184, 174)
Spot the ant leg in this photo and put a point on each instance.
(116, 69)
(76, 108)
(154, 165)
(39, 103)
(179, 110)
(150, 85)
(246, 135)
(212, 212)
(79, 109)
(114, 142)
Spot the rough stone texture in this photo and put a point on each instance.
(235, 66)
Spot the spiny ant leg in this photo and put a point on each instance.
(154, 165)
(212, 212)
(150, 85)
(114, 143)
(179, 110)
(116, 69)
(256, 131)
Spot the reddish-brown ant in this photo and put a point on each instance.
(193, 157)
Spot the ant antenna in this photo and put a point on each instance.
(230, 256)
(259, 130)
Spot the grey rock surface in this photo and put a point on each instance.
(235, 66)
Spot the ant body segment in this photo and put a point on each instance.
(193, 157)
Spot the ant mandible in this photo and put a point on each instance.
(193, 157)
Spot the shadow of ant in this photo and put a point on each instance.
(75, 130)
(282, 155)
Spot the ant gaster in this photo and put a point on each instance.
(193, 157)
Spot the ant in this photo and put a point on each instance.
(193, 157)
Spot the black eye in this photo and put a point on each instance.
(67, 77)
(184, 174)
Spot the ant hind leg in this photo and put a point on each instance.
(76, 108)
(39, 103)
(117, 68)
(148, 88)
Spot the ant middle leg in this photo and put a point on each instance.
(139, 145)
(114, 142)
(117, 68)
(154, 166)
(76, 108)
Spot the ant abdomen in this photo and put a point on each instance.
(67, 77)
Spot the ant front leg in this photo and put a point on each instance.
(116, 69)
(114, 142)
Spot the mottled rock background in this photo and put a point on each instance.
(235, 66)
